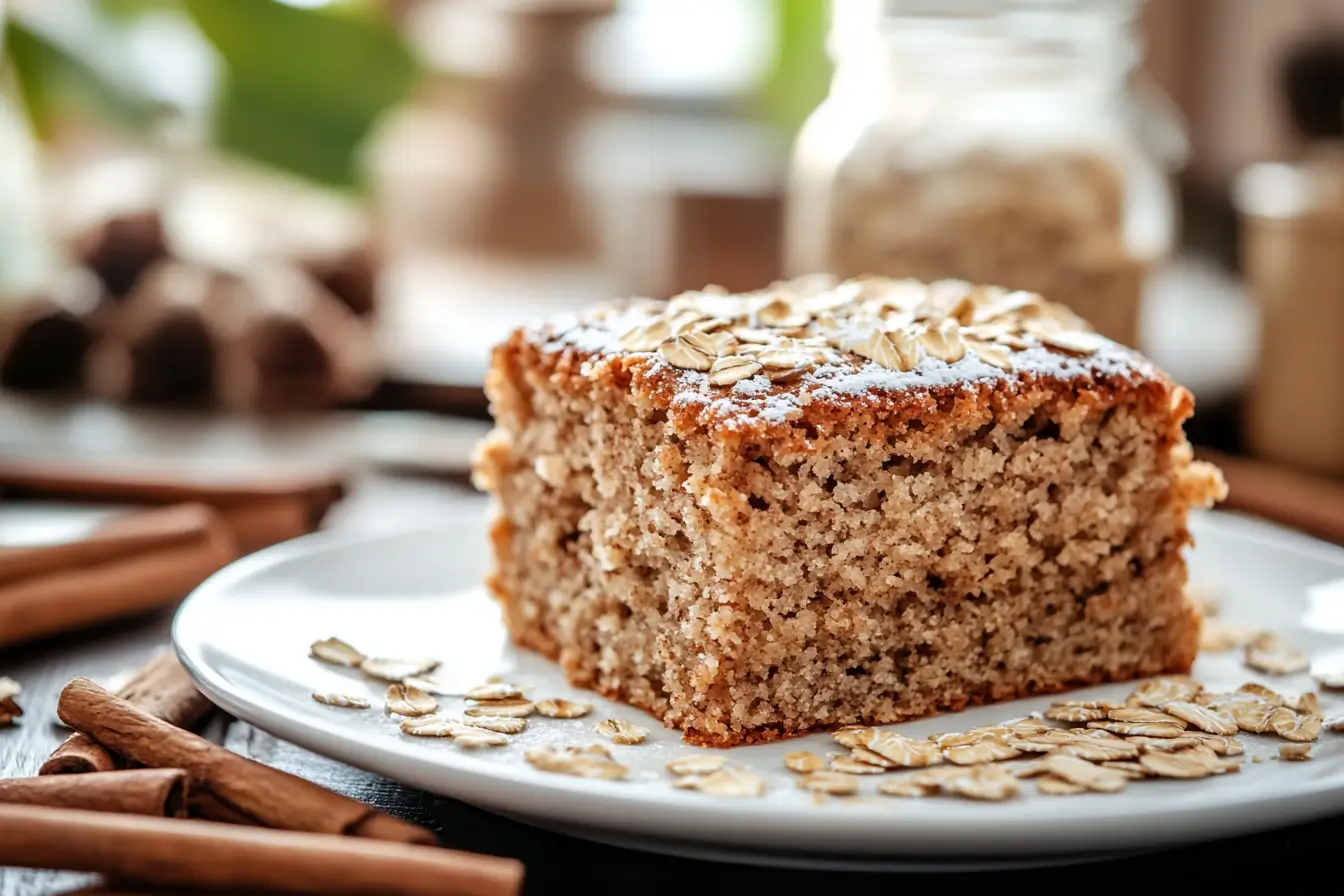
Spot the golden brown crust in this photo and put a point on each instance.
(646, 380)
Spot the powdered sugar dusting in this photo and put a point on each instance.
(838, 372)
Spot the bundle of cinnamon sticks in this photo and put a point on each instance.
(140, 560)
(134, 318)
(136, 796)
(130, 564)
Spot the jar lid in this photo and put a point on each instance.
(1040, 34)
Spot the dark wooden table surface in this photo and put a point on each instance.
(555, 863)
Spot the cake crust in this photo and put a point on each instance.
(854, 542)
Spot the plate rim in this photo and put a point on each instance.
(536, 795)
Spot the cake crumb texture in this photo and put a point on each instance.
(956, 536)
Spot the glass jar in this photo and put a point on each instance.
(995, 141)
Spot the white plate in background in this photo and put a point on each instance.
(244, 636)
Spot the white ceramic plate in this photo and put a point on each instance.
(244, 636)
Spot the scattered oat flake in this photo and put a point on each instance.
(848, 765)
(500, 724)
(1031, 722)
(1295, 752)
(1274, 656)
(1282, 719)
(833, 783)
(479, 738)
(517, 707)
(1094, 750)
(983, 782)
(1144, 716)
(958, 739)
(447, 726)
(1049, 785)
(934, 777)
(1269, 695)
(803, 762)
(336, 652)
(1062, 712)
(1036, 746)
(594, 750)
(1336, 723)
(1228, 702)
(1308, 704)
(1201, 717)
(563, 709)
(397, 670)
(1080, 771)
(1143, 729)
(1299, 729)
(730, 781)
(1164, 744)
(432, 726)
(1157, 691)
(1256, 718)
(904, 788)
(1048, 736)
(1222, 746)
(853, 735)
(989, 749)
(404, 700)
(485, 693)
(1184, 764)
(344, 701)
(696, 764)
(1030, 769)
(863, 754)
(1216, 636)
(432, 685)
(622, 732)
(1204, 596)
(1331, 681)
(580, 762)
(905, 752)
(1132, 770)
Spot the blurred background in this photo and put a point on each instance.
(226, 219)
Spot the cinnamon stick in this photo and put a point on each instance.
(160, 555)
(260, 510)
(119, 536)
(134, 850)
(161, 688)
(238, 785)
(160, 792)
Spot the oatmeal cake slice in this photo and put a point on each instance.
(821, 504)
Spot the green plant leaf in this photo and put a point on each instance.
(303, 87)
(129, 9)
(56, 69)
(800, 76)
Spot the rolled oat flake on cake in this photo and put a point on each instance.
(765, 488)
